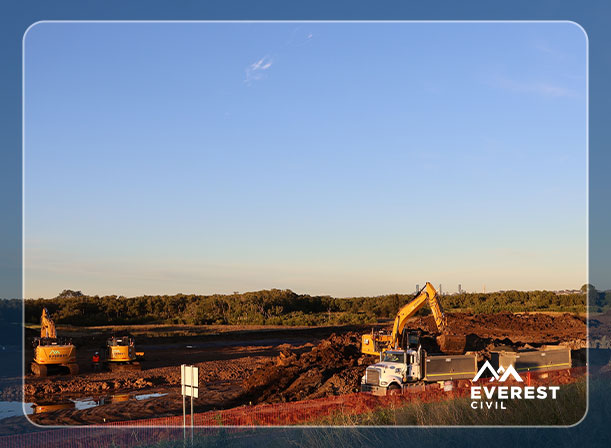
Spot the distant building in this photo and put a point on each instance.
(566, 292)
(417, 288)
(459, 288)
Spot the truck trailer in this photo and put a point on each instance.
(399, 369)
(543, 359)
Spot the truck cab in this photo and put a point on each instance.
(398, 369)
(395, 369)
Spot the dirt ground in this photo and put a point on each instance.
(336, 366)
(519, 329)
(224, 355)
(249, 365)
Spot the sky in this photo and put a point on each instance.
(347, 159)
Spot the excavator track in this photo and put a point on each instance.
(73, 368)
(39, 370)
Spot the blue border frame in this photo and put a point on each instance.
(593, 16)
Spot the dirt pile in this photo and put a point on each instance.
(487, 332)
(523, 328)
(333, 367)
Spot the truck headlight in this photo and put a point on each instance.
(384, 383)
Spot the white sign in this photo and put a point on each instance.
(189, 380)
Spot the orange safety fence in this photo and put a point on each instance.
(146, 431)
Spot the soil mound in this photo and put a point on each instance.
(333, 367)
(525, 328)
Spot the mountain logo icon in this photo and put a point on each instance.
(500, 375)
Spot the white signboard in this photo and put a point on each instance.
(189, 380)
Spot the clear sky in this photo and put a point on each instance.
(341, 159)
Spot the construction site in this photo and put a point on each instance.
(242, 368)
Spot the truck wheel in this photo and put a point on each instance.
(394, 389)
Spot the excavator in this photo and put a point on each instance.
(121, 354)
(51, 352)
(375, 343)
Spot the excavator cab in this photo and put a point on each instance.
(375, 342)
(121, 353)
(413, 339)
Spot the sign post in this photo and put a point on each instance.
(189, 384)
(192, 384)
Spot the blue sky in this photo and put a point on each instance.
(342, 159)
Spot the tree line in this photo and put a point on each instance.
(284, 307)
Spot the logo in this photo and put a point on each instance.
(54, 354)
(497, 397)
(495, 374)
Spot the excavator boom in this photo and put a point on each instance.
(427, 294)
(47, 326)
(374, 344)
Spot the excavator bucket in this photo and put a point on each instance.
(452, 344)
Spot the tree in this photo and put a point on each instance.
(587, 287)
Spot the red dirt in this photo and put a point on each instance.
(237, 368)
(330, 368)
(336, 366)
(513, 329)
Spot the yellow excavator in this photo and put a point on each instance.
(375, 343)
(121, 354)
(52, 352)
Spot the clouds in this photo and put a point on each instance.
(542, 88)
(547, 50)
(299, 37)
(257, 70)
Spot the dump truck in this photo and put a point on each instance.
(400, 369)
(52, 352)
(375, 343)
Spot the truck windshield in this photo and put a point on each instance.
(393, 357)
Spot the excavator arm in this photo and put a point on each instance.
(426, 294)
(374, 344)
(47, 327)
